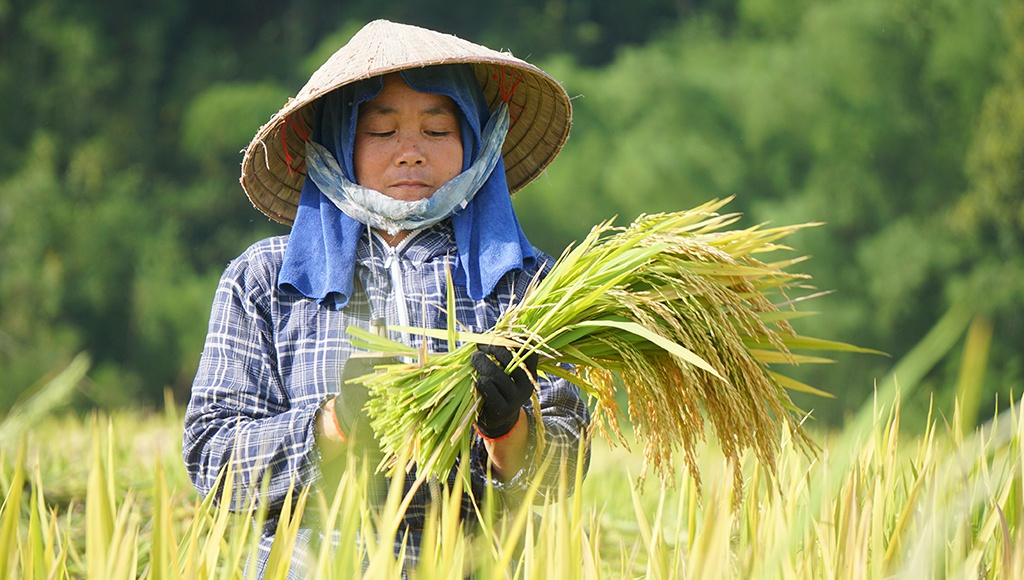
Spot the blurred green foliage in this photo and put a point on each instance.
(898, 123)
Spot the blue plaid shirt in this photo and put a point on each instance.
(271, 359)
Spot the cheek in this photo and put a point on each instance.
(362, 163)
(450, 158)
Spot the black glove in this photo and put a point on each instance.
(350, 403)
(501, 395)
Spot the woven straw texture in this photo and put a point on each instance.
(273, 169)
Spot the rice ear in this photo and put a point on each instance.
(671, 309)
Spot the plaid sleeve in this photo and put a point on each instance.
(239, 413)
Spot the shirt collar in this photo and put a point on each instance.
(421, 246)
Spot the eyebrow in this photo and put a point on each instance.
(375, 109)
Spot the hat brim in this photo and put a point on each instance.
(273, 168)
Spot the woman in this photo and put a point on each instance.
(394, 165)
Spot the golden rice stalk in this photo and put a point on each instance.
(674, 309)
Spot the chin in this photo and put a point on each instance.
(409, 196)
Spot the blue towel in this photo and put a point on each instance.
(319, 260)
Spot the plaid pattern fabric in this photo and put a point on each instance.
(272, 358)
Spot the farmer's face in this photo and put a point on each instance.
(408, 144)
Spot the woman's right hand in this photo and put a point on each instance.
(344, 415)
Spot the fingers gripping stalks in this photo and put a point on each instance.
(501, 395)
(350, 403)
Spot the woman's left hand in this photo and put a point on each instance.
(502, 396)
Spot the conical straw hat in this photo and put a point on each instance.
(274, 169)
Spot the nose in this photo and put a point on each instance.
(410, 151)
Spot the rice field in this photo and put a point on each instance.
(106, 496)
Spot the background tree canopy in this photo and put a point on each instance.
(898, 124)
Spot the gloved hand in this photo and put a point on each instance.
(501, 395)
(350, 403)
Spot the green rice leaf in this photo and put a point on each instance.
(808, 343)
(460, 336)
(795, 385)
(450, 295)
(787, 315)
(661, 341)
(362, 338)
(775, 357)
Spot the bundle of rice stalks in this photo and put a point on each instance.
(673, 309)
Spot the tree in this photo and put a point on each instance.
(856, 114)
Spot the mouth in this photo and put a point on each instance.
(410, 190)
(410, 184)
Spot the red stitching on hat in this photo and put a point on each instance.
(287, 154)
(302, 133)
(508, 82)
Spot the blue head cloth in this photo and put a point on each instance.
(319, 260)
